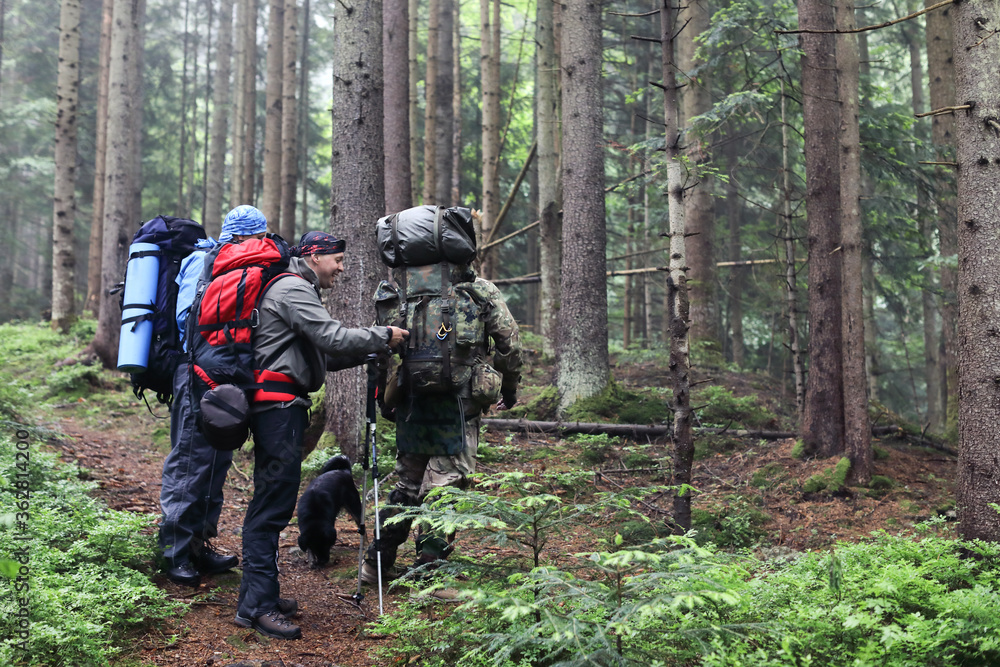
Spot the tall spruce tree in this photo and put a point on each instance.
(357, 196)
(583, 366)
(977, 60)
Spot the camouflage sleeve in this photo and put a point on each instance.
(502, 328)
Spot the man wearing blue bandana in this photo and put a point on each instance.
(241, 223)
(194, 472)
(296, 339)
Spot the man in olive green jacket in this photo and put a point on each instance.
(295, 344)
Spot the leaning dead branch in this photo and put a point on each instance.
(866, 28)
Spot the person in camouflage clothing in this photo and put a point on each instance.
(437, 436)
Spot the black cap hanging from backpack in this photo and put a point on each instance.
(225, 417)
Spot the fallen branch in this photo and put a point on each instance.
(866, 28)
(625, 430)
(898, 432)
(565, 428)
(648, 431)
(522, 230)
(510, 197)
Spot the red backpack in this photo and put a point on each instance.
(225, 314)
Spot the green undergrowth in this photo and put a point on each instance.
(719, 407)
(629, 596)
(86, 567)
(42, 369)
(618, 404)
(733, 522)
(831, 479)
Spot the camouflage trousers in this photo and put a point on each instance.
(418, 474)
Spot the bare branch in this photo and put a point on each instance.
(943, 110)
(885, 24)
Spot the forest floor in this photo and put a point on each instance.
(749, 495)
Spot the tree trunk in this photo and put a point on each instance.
(791, 279)
(206, 132)
(651, 234)
(490, 75)
(138, 93)
(583, 316)
(699, 210)
(736, 273)
(932, 330)
(304, 116)
(977, 59)
(430, 103)
(101, 143)
(357, 197)
(857, 432)
(271, 192)
(823, 420)
(395, 38)
(444, 127)
(289, 123)
(941, 73)
(182, 148)
(212, 216)
(677, 291)
(64, 199)
(11, 215)
(546, 129)
(634, 196)
(456, 108)
(120, 188)
(412, 50)
(867, 254)
(239, 106)
(249, 91)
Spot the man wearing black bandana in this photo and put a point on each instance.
(297, 340)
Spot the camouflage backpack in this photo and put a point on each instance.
(446, 324)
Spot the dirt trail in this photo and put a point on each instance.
(128, 475)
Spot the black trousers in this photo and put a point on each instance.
(193, 476)
(277, 435)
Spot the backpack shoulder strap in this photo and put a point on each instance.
(275, 279)
(446, 328)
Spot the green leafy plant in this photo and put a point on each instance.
(89, 566)
(618, 404)
(721, 408)
(831, 480)
(735, 524)
(594, 448)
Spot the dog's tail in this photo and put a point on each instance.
(338, 462)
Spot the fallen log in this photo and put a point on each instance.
(566, 428)
(916, 440)
(624, 430)
(658, 431)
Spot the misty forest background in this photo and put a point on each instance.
(762, 185)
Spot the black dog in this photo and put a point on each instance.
(320, 504)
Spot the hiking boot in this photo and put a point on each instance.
(211, 561)
(184, 574)
(288, 607)
(272, 624)
(369, 574)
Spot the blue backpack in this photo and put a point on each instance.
(176, 238)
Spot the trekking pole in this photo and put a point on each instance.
(358, 597)
(371, 413)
